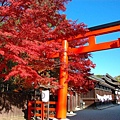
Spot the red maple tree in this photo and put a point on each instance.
(30, 31)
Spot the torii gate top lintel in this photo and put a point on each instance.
(96, 31)
(105, 25)
(99, 30)
(91, 35)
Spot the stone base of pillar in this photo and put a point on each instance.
(71, 114)
(77, 108)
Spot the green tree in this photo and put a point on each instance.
(118, 78)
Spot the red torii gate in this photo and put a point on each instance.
(92, 47)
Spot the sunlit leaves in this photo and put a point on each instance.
(30, 31)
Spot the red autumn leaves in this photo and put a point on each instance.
(30, 31)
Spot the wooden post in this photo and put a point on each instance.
(42, 110)
(92, 40)
(76, 100)
(71, 103)
(61, 110)
(29, 110)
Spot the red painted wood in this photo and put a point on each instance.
(61, 110)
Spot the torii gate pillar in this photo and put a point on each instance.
(62, 92)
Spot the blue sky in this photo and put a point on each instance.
(97, 12)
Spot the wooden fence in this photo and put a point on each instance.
(40, 109)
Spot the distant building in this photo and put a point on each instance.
(106, 91)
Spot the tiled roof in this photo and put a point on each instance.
(102, 81)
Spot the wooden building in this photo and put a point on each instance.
(113, 82)
(106, 91)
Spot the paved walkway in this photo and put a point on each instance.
(111, 112)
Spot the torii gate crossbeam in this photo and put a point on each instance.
(92, 47)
